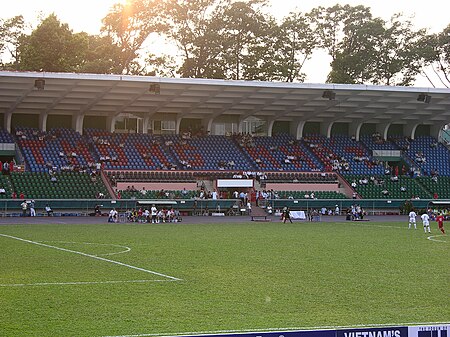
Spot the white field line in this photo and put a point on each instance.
(92, 256)
(281, 330)
(126, 248)
(77, 283)
(432, 238)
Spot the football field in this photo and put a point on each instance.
(192, 278)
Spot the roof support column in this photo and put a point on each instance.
(410, 130)
(270, 127)
(298, 132)
(240, 126)
(435, 130)
(178, 124)
(111, 124)
(383, 129)
(7, 121)
(209, 126)
(325, 129)
(43, 121)
(145, 122)
(77, 123)
(355, 129)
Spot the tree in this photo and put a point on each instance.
(194, 26)
(297, 42)
(436, 54)
(101, 57)
(52, 47)
(11, 31)
(244, 27)
(375, 51)
(129, 26)
(398, 53)
(332, 24)
(356, 55)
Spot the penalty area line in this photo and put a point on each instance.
(280, 330)
(92, 256)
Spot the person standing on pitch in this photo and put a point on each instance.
(426, 222)
(440, 221)
(412, 219)
(154, 212)
(287, 215)
(32, 210)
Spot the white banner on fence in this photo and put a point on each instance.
(234, 182)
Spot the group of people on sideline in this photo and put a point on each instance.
(29, 209)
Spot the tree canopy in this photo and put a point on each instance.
(231, 39)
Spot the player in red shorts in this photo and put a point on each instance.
(440, 221)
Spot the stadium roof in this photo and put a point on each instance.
(112, 95)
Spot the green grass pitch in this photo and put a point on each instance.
(232, 276)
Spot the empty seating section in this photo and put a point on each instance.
(307, 195)
(374, 190)
(151, 176)
(6, 137)
(208, 153)
(158, 194)
(68, 185)
(430, 155)
(301, 177)
(128, 151)
(58, 147)
(5, 184)
(281, 153)
(343, 152)
(377, 143)
(441, 186)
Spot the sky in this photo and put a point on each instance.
(86, 15)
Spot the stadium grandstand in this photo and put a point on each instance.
(72, 139)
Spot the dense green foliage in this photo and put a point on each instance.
(235, 276)
(229, 39)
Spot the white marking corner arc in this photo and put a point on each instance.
(92, 256)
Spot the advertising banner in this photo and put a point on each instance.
(429, 331)
(374, 332)
(439, 330)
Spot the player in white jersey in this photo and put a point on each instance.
(426, 222)
(412, 219)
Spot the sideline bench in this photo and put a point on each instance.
(260, 217)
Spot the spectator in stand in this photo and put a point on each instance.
(184, 192)
(97, 210)
(21, 196)
(435, 195)
(32, 209)
(214, 195)
(5, 168)
(48, 210)
(24, 206)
